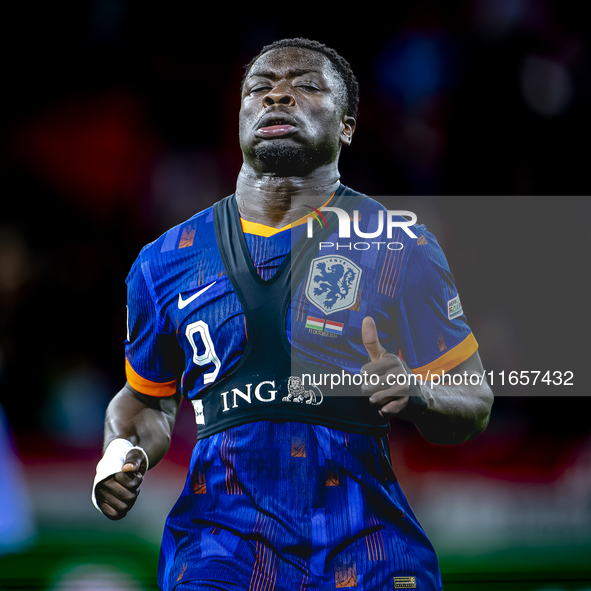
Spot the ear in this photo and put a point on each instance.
(347, 130)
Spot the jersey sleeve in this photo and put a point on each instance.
(153, 356)
(433, 330)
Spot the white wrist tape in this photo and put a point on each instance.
(112, 462)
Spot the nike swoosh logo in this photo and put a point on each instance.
(183, 303)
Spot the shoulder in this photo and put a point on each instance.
(427, 250)
(428, 270)
(172, 253)
(195, 231)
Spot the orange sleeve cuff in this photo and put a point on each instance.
(449, 359)
(147, 387)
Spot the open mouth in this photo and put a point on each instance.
(275, 126)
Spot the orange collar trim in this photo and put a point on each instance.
(268, 231)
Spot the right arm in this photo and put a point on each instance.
(146, 422)
(143, 413)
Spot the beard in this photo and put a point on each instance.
(286, 160)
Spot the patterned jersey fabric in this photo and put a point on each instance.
(289, 505)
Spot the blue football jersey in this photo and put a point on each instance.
(289, 504)
(186, 324)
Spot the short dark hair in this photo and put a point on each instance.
(340, 64)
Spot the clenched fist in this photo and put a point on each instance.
(117, 494)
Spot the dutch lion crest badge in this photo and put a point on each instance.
(333, 283)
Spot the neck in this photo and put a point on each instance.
(278, 201)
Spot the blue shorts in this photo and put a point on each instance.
(291, 506)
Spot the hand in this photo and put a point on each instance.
(117, 494)
(390, 400)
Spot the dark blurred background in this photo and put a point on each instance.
(119, 120)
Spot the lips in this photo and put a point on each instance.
(276, 125)
(276, 130)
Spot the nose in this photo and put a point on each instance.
(280, 94)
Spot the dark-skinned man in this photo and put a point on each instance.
(246, 308)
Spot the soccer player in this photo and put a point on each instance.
(290, 485)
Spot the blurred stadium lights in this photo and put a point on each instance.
(17, 525)
(546, 86)
(496, 18)
(95, 577)
(417, 65)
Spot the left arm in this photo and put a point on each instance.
(444, 414)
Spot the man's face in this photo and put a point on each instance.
(292, 117)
